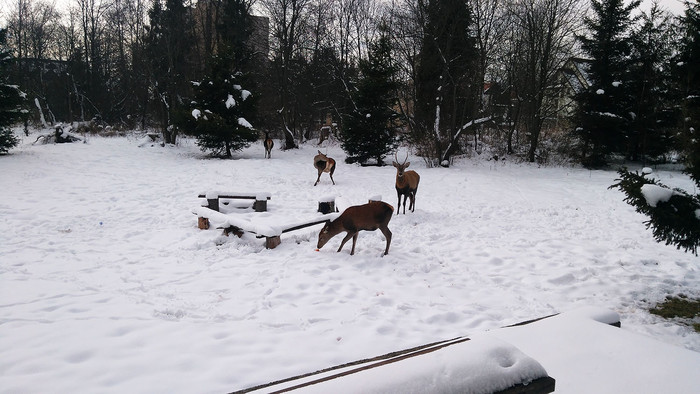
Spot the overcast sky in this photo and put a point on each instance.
(675, 6)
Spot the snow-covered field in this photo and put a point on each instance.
(107, 284)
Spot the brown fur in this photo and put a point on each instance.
(268, 146)
(323, 164)
(369, 217)
(406, 186)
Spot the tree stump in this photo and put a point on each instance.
(272, 242)
(203, 223)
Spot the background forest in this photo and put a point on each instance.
(542, 80)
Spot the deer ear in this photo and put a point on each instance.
(395, 163)
(408, 163)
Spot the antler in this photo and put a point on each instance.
(397, 157)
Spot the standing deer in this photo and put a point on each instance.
(371, 216)
(268, 145)
(406, 184)
(323, 164)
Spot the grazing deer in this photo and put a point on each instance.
(371, 216)
(323, 164)
(268, 145)
(406, 184)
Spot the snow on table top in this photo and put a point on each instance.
(483, 365)
(584, 355)
(212, 194)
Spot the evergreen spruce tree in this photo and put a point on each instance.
(603, 117)
(689, 72)
(447, 93)
(368, 131)
(654, 112)
(234, 30)
(11, 100)
(220, 111)
(674, 215)
(169, 44)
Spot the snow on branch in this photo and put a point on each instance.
(461, 129)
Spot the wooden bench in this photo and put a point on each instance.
(214, 203)
(327, 205)
(238, 225)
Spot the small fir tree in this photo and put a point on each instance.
(368, 131)
(219, 113)
(11, 100)
(674, 215)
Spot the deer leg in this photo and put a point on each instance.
(331, 174)
(318, 179)
(405, 197)
(387, 235)
(354, 241)
(346, 239)
(398, 204)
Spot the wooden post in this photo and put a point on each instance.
(260, 204)
(203, 223)
(213, 203)
(272, 242)
(326, 207)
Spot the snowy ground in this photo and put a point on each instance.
(107, 285)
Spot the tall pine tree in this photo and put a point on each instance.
(170, 41)
(11, 100)
(653, 116)
(603, 117)
(447, 93)
(674, 215)
(368, 131)
(689, 71)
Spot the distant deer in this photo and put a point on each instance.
(323, 164)
(268, 145)
(371, 216)
(406, 184)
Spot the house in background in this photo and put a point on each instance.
(572, 79)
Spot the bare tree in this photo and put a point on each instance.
(32, 28)
(490, 30)
(288, 22)
(407, 19)
(545, 40)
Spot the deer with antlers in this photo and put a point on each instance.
(369, 217)
(268, 143)
(323, 164)
(406, 184)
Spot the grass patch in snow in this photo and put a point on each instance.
(679, 307)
